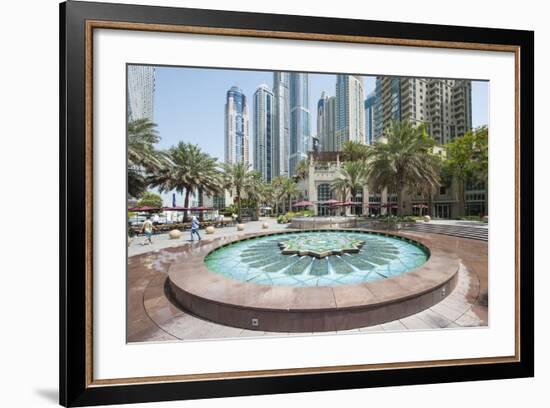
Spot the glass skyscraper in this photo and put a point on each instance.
(369, 117)
(236, 127)
(300, 134)
(326, 115)
(281, 128)
(264, 149)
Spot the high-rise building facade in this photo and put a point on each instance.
(140, 92)
(369, 117)
(462, 105)
(236, 127)
(350, 117)
(300, 136)
(326, 122)
(444, 106)
(264, 150)
(281, 128)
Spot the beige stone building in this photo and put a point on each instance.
(324, 170)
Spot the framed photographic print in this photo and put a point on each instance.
(256, 203)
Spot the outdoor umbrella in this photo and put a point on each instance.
(201, 208)
(329, 203)
(144, 208)
(303, 203)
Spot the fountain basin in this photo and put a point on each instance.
(302, 308)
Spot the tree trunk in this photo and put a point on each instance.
(462, 197)
(186, 205)
(400, 202)
(201, 214)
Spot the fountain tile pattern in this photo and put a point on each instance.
(261, 261)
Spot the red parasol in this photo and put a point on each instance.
(145, 208)
(303, 203)
(201, 208)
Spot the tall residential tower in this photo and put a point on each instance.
(264, 150)
(300, 136)
(350, 117)
(444, 106)
(281, 128)
(326, 122)
(236, 127)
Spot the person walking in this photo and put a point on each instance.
(195, 227)
(147, 229)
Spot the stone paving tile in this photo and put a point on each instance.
(434, 319)
(252, 333)
(324, 333)
(376, 328)
(448, 312)
(416, 323)
(349, 331)
(395, 325)
(162, 241)
(469, 319)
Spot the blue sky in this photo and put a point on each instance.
(189, 102)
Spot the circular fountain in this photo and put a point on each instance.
(325, 222)
(306, 281)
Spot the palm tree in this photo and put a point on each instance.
(236, 178)
(189, 169)
(277, 191)
(404, 161)
(352, 177)
(302, 169)
(289, 190)
(142, 156)
(256, 190)
(354, 151)
(340, 186)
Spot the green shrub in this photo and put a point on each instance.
(282, 219)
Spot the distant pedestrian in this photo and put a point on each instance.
(195, 225)
(147, 229)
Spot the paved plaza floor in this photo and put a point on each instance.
(152, 316)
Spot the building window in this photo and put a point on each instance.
(442, 190)
(324, 192)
